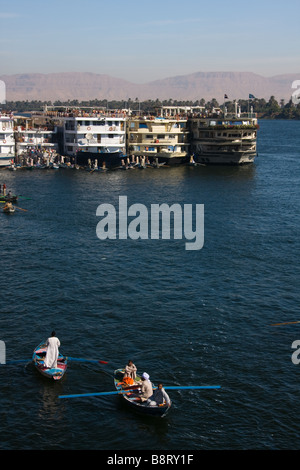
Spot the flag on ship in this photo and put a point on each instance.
(225, 97)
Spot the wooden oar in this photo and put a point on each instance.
(78, 359)
(285, 323)
(99, 394)
(16, 207)
(75, 359)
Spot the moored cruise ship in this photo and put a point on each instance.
(162, 138)
(96, 135)
(35, 133)
(223, 138)
(7, 141)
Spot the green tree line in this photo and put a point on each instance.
(271, 109)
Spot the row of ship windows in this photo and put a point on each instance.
(97, 123)
(142, 125)
(224, 134)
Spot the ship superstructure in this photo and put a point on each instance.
(95, 131)
(7, 141)
(162, 138)
(223, 138)
(35, 134)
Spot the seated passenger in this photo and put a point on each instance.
(146, 388)
(159, 397)
(130, 370)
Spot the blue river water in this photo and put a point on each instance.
(187, 317)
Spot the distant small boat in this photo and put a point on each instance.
(132, 397)
(38, 359)
(9, 208)
(8, 198)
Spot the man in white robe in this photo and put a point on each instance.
(53, 344)
(146, 388)
(130, 370)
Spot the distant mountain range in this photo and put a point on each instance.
(88, 86)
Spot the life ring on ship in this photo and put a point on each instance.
(3, 128)
(4, 141)
(88, 128)
(110, 128)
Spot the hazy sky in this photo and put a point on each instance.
(142, 41)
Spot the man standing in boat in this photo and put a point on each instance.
(53, 344)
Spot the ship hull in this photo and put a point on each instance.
(6, 160)
(225, 158)
(109, 159)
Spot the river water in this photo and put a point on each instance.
(187, 317)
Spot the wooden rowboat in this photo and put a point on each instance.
(9, 208)
(132, 397)
(38, 359)
(11, 198)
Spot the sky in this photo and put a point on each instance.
(142, 41)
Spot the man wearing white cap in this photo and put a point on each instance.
(146, 388)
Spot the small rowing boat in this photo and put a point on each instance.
(9, 208)
(38, 359)
(8, 198)
(132, 396)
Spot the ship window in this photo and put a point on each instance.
(143, 125)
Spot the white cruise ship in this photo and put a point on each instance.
(222, 138)
(35, 133)
(162, 138)
(95, 135)
(7, 141)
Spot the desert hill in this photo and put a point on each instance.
(88, 86)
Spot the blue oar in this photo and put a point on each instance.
(98, 394)
(17, 361)
(78, 359)
(75, 359)
(192, 387)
